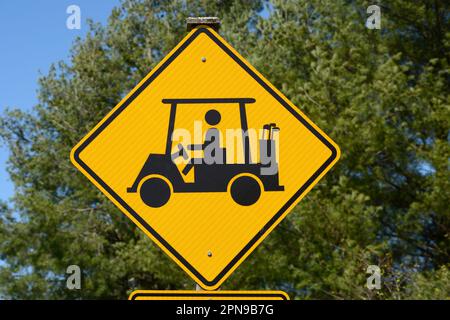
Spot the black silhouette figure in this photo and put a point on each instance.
(212, 118)
(159, 176)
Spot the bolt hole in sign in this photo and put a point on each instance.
(205, 156)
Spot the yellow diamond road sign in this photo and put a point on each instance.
(205, 156)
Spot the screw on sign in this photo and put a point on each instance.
(205, 156)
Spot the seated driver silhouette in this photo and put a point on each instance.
(211, 146)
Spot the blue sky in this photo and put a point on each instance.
(33, 35)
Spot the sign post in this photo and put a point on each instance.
(191, 23)
(211, 22)
(205, 156)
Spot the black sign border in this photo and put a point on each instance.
(269, 224)
(135, 295)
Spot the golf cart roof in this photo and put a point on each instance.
(209, 100)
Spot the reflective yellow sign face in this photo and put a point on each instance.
(207, 295)
(205, 156)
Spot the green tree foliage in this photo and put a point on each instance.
(383, 95)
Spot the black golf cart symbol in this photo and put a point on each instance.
(160, 177)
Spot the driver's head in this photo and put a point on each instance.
(212, 117)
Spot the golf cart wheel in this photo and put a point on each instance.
(245, 191)
(155, 192)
